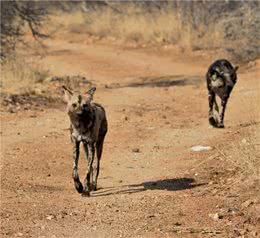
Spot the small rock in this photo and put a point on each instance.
(19, 234)
(49, 217)
(64, 213)
(38, 91)
(177, 224)
(247, 203)
(11, 110)
(50, 79)
(233, 210)
(252, 64)
(136, 150)
(254, 233)
(215, 216)
(200, 148)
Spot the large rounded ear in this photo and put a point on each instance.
(67, 93)
(236, 68)
(91, 91)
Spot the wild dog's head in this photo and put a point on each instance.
(221, 76)
(78, 104)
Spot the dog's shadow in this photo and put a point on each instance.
(164, 184)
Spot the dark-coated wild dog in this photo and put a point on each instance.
(221, 78)
(89, 126)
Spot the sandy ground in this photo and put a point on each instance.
(155, 103)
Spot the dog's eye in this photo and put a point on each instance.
(74, 105)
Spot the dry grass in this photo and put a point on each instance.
(74, 22)
(20, 76)
(136, 26)
(244, 154)
(226, 27)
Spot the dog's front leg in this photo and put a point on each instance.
(90, 153)
(75, 174)
(212, 100)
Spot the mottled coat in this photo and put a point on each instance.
(89, 126)
(221, 78)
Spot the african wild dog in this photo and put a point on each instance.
(221, 78)
(89, 126)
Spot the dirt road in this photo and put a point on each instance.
(155, 103)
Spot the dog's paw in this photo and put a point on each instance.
(212, 121)
(221, 125)
(78, 186)
(85, 194)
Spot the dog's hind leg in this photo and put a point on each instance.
(99, 147)
(222, 112)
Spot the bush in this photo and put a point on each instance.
(15, 17)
